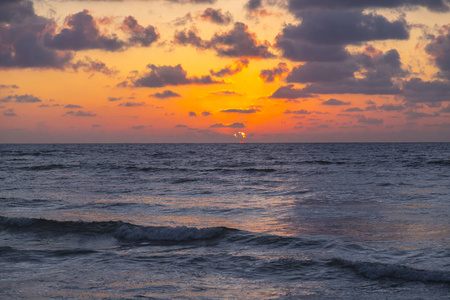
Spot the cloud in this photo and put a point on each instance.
(182, 21)
(80, 113)
(9, 113)
(180, 126)
(112, 99)
(229, 70)
(238, 42)
(132, 104)
(226, 93)
(206, 113)
(160, 76)
(322, 72)
(21, 99)
(216, 16)
(193, 1)
(369, 121)
(413, 115)
(72, 106)
(138, 127)
(436, 5)
(415, 90)
(323, 34)
(241, 111)
(376, 75)
(439, 48)
(8, 86)
(144, 36)
(269, 75)
(164, 95)
(192, 114)
(353, 109)
(446, 109)
(234, 125)
(289, 92)
(253, 4)
(335, 102)
(391, 107)
(21, 42)
(81, 32)
(297, 112)
(89, 65)
(96, 126)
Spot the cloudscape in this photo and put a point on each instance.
(204, 70)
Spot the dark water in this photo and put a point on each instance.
(225, 221)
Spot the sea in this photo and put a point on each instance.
(225, 221)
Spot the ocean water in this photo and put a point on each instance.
(225, 221)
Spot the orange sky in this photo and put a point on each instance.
(201, 71)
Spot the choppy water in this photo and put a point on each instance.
(225, 221)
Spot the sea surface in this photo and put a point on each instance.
(225, 221)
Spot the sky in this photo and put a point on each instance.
(211, 71)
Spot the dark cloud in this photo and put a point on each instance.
(180, 126)
(89, 65)
(391, 107)
(144, 36)
(21, 99)
(81, 32)
(377, 74)
(21, 42)
(139, 127)
(434, 5)
(323, 72)
(322, 35)
(192, 114)
(289, 92)
(297, 112)
(269, 75)
(132, 104)
(413, 115)
(182, 21)
(96, 126)
(160, 76)
(7, 86)
(234, 125)
(112, 99)
(253, 4)
(229, 70)
(206, 113)
(9, 113)
(353, 109)
(369, 121)
(72, 106)
(439, 48)
(241, 111)
(238, 42)
(216, 16)
(335, 102)
(415, 90)
(226, 93)
(80, 113)
(166, 94)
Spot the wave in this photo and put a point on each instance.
(45, 167)
(122, 231)
(373, 270)
(439, 162)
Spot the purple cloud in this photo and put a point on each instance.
(234, 125)
(164, 95)
(160, 76)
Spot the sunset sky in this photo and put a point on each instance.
(204, 70)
